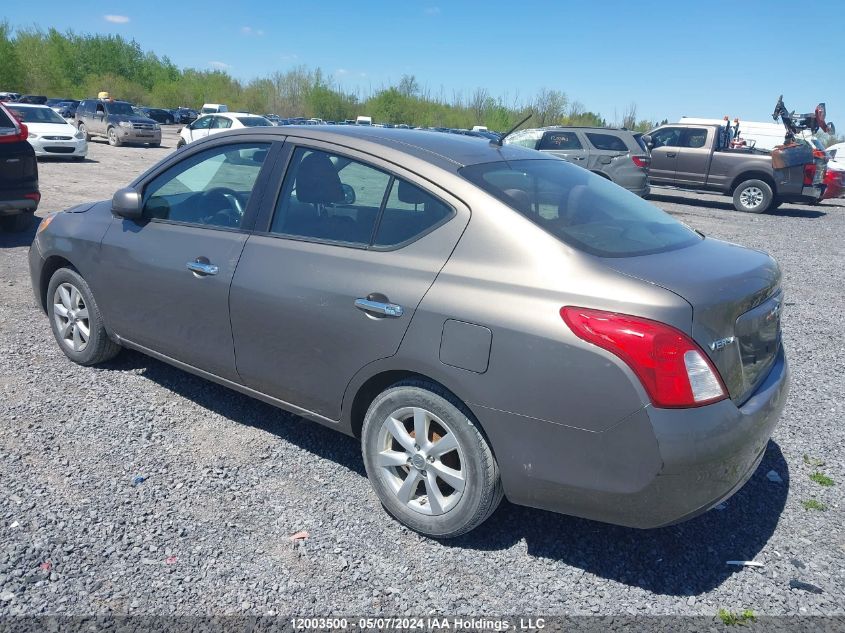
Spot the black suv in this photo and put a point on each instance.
(19, 196)
(116, 121)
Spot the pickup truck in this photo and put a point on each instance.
(698, 157)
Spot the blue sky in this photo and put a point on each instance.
(706, 58)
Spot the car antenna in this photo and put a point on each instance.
(498, 142)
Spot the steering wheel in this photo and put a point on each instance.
(227, 205)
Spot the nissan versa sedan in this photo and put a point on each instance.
(487, 320)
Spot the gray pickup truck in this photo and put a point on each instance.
(698, 157)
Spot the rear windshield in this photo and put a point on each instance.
(253, 121)
(581, 209)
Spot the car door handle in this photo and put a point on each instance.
(202, 268)
(671, 154)
(577, 157)
(379, 307)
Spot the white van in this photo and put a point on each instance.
(214, 108)
(364, 120)
(760, 134)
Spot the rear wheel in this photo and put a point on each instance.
(16, 223)
(114, 140)
(753, 196)
(428, 462)
(76, 321)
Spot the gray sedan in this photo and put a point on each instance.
(488, 321)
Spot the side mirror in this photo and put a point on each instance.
(348, 194)
(126, 203)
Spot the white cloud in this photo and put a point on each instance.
(116, 19)
(248, 30)
(219, 65)
(289, 57)
(432, 11)
(341, 71)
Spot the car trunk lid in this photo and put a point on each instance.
(736, 305)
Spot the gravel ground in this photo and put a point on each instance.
(229, 479)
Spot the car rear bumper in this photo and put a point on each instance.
(654, 468)
(14, 202)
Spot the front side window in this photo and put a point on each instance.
(581, 209)
(203, 123)
(560, 140)
(329, 197)
(667, 137)
(607, 142)
(210, 188)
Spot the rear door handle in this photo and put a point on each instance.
(379, 307)
(671, 154)
(202, 268)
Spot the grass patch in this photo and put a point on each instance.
(812, 504)
(729, 618)
(821, 479)
(813, 461)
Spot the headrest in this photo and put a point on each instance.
(521, 199)
(411, 194)
(317, 181)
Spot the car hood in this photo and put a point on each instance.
(51, 129)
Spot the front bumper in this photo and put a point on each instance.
(76, 148)
(655, 468)
(133, 135)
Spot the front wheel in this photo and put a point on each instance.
(428, 462)
(753, 196)
(114, 140)
(180, 143)
(84, 131)
(76, 320)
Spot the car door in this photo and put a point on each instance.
(99, 119)
(666, 142)
(332, 276)
(166, 285)
(199, 128)
(693, 162)
(564, 144)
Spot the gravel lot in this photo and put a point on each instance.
(229, 479)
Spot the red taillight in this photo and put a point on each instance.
(641, 161)
(809, 173)
(33, 196)
(672, 368)
(23, 132)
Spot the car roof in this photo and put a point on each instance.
(449, 151)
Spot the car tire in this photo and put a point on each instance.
(455, 487)
(753, 196)
(155, 144)
(114, 140)
(16, 223)
(776, 202)
(84, 131)
(69, 293)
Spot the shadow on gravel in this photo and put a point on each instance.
(681, 560)
(685, 559)
(786, 211)
(24, 238)
(307, 435)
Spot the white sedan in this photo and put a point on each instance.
(49, 133)
(219, 122)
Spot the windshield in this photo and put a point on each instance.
(121, 107)
(253, 121)
(581, 209)
(37, 115)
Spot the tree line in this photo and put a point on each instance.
(77, 66)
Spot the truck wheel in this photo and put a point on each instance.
(776, 202)
(114, 140)
(753, 196)
(16, 223)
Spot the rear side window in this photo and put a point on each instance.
(560, 140)
(581, 209)
(694, 138)
(607, 142)
(328, 197)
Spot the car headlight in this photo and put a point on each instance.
(79, 135)
(125, 124)
(156, 126)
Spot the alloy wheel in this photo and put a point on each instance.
(751, 197)
(421, 460)
(71, 317)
